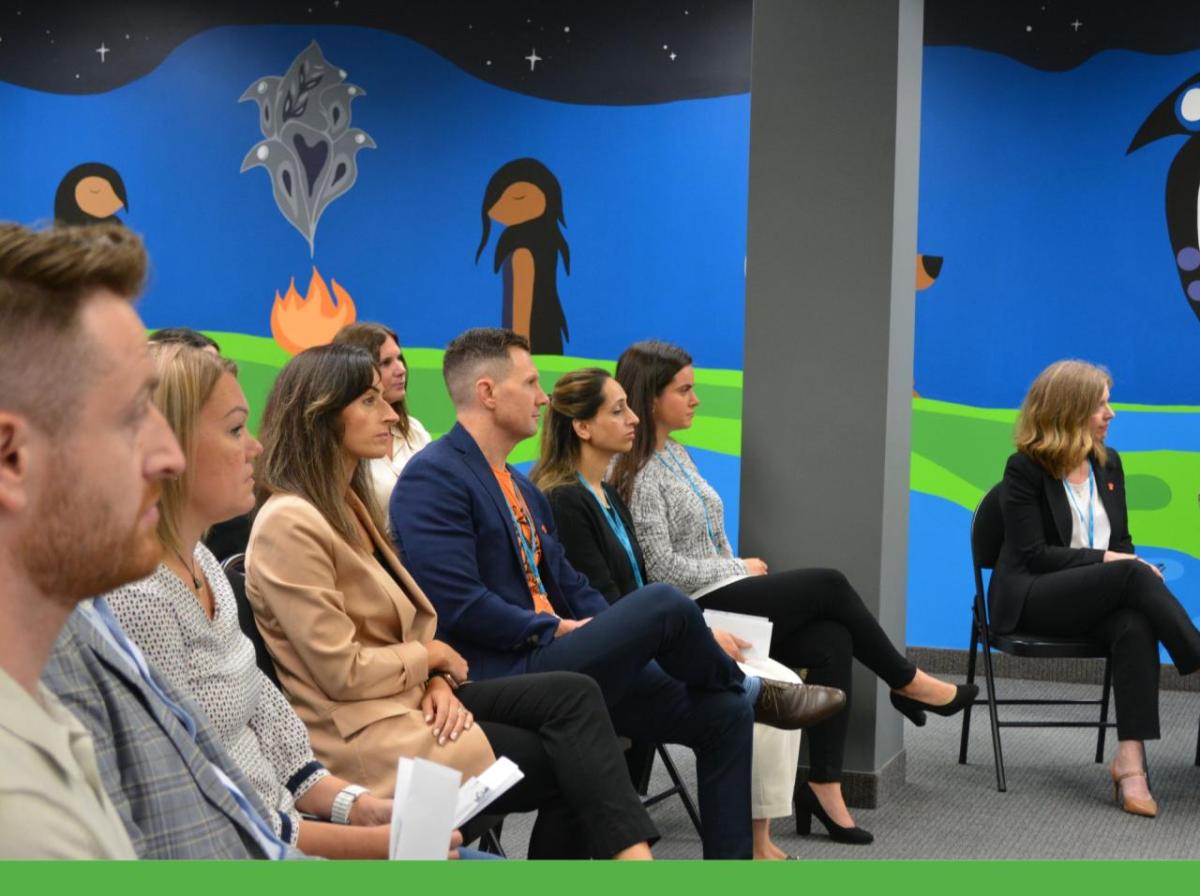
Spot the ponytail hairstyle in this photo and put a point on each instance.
(577, 395)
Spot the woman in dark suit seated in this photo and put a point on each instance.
(1068, 565)
(587, 424)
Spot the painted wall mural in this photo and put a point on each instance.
(1059, 178)
(238, 131)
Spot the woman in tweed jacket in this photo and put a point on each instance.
(820, 622)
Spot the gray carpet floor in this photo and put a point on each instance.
(1059, 804)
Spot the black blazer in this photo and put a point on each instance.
(1037, 531)
(591, 546)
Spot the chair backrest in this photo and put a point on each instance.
(235, 570)
(987, 537)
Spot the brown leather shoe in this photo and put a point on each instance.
(792, 706)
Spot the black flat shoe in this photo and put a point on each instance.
(964, 696)
(807, 805)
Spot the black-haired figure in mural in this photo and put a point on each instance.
(526, 198)
(1179, 113)
(91, 193)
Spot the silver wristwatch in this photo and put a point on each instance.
(343, 802)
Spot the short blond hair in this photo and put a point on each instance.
(1052, 426)
(187, 377)
(46, 277)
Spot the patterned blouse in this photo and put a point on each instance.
(680, 523)
(213, 661)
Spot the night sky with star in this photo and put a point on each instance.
(579, 51)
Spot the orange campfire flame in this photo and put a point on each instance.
(300, 322)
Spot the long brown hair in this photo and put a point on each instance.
(372, 336)
(577, 395)
(1052, 426)
(302, 435)
(644, 370)
(186, 379)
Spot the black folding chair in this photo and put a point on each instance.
(640, 759)
(987, 536)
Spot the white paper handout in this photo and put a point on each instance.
(757, 630)
(478, 792)
(423, 811)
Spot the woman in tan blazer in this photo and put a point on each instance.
(352, 636)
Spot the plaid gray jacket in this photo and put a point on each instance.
(158, 777)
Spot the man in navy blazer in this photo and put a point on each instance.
(469, 545)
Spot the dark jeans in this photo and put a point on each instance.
(666, 680)
(820, 623)
(554, 725)
(1127, 606)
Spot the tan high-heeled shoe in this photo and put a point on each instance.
(1147, 808)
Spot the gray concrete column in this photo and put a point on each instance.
(826, 423)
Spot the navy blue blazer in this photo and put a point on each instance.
(455, 534)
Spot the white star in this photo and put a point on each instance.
(1077, 24)
(127, 37)
(665, 47)
(103, 51)
(566, 29)
(489, 62)
(1028, 28)
(672, 57)
(533, 58)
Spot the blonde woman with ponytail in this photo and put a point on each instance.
(1068, 566)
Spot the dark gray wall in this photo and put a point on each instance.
(826, 423)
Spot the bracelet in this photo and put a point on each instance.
(343, 802)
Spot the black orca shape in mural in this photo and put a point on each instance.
(91, 193)
(1179, 113)
(526, 198)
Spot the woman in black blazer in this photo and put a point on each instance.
(1068, 565)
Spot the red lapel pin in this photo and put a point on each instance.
(1111, 487)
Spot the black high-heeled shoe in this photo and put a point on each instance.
(807, 805)
(964, 696)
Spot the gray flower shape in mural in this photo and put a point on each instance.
(310, 149)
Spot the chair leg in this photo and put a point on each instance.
(489, 841)
(1104, 695)
(997, 750)
(1198, 743)
(673, 772)
(966, 724)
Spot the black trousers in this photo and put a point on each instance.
(555, 726)
(820, 623)
(1127, 606)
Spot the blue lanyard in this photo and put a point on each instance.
(1090, 522)
(679, 471)
(618, 529)
(528, 545)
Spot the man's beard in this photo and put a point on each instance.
(74, 549)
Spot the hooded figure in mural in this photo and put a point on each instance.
(1179, 114)
(91, 193)
(526, 198)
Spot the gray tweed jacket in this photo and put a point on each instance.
(159, 778)
(671, 526)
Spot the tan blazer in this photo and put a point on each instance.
(348, 644)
